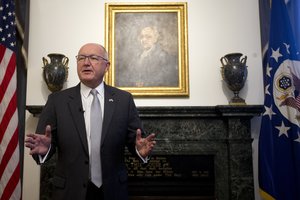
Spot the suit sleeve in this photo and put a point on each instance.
(134, 123)
(47, 117)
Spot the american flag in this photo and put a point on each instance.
(10, 184)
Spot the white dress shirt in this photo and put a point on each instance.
(87, 98)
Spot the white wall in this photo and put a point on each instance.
(215, 28)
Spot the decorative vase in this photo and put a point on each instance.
(234, 72)
(55, 73)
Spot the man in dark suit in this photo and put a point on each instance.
(65, 127)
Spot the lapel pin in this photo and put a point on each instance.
(110, 100)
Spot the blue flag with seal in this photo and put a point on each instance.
(279, 140)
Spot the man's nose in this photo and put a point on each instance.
(87, 61)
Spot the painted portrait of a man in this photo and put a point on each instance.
(146, 49)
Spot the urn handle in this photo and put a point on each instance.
(45, 62)
(244, 60)
(65, 61)
(222, 60)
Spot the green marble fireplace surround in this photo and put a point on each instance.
(201, 153)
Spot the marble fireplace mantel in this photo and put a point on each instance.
(222, 131)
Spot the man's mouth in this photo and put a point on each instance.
(87, 71)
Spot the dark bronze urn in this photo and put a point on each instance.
(55, 72)
(234, 72)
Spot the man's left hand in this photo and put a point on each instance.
(144, 145)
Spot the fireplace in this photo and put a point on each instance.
(202, 153)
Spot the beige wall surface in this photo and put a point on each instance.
(215, 28)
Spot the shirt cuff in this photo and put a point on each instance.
(145, 160)
(42, 159)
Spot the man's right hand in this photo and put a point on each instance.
(38, 143)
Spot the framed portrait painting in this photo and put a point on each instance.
(147, 47)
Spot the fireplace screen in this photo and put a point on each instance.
(182, 176)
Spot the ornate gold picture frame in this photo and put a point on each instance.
(147, 47)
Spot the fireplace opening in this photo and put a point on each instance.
(172, 177)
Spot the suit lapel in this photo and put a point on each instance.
(75, 106)
(109, 107)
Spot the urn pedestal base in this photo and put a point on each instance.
(237, 100)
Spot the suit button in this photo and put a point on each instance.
(86, 162)
(84, 185)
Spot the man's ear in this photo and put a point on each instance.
(107, 66)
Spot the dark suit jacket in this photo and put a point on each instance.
(63, 111)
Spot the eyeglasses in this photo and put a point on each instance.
(92, 58)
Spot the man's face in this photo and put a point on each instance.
(148, 38)
(91, 66)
